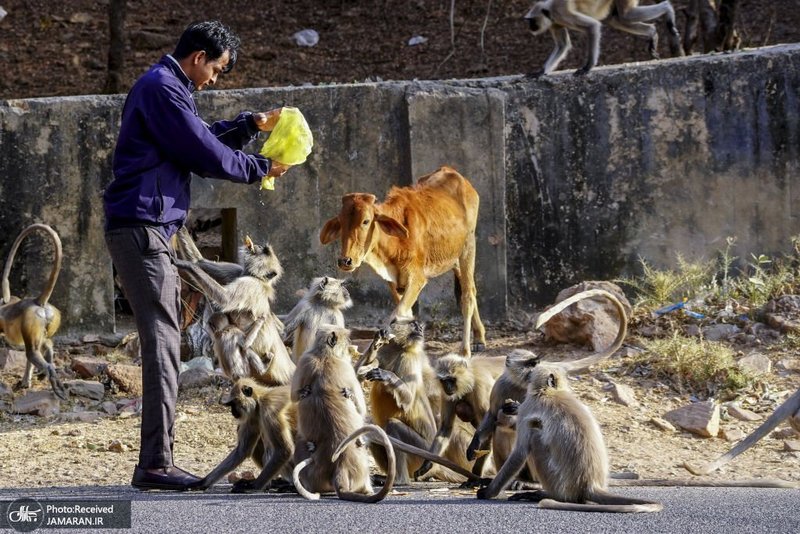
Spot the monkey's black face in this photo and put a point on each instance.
(448, 384)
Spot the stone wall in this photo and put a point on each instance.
(578, 177)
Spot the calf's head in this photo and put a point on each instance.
(359, 225)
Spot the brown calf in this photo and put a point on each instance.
(417, 233)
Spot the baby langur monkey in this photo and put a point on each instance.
(245, 301)
(559, 16)
(560, 441)
(331, 412)
(31, 323)
(323, 303)
(267, 423)
(232, 346)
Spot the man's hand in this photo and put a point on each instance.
(277, 169)
(265, 121)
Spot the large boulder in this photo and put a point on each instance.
(592, 322)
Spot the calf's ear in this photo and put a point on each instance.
(391, 226)
(331, 231)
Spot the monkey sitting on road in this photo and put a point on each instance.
(330, 414)
(245, 302)
(266, 433)
(31, 323)
(560, 440)
(559, 16)
(323, 303)
(466, 384)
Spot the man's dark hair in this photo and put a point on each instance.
(212, 37)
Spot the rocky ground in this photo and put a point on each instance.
(93, 441)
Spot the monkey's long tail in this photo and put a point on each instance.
(296, 479)
(187, 249)
(785, 410)
(391, 469)
(427, 455)
(605, 502)
(584, 363)
(51, 282)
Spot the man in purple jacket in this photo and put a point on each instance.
(162, 140)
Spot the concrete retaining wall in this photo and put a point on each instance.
(578, 177)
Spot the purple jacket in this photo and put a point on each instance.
(161, 141)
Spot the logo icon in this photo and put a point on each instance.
(25, 515)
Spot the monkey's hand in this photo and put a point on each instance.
(510, 407)
(348, 393)
(473, 446)
(310, 446)
(483, 491)
(304, 392)
(243, 486)
(382, 337)
(426, 466)
(377, 375)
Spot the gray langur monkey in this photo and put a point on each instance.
(560, 441)
(31, 323)
(245, 302)
(400, 404)
(511, 387)
(266, 433)
(323, 303)
(331, 413)
(466, 385)
(559, 16)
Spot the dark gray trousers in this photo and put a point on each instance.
(143, 259)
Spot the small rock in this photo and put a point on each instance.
(80, 18)
(42, 403)
(12, 360)
(85, 388)
(784, 433)
(109, 407)
(792, 445)
(663, 424)
(755, 363)
(127, 377)
(197, 378)
(80, 417)
(417, 40)
(75, 432)
(732, 434)
(117, 446)
(201, 362)
(789, 364)
(742, 414)
(719, 332)
(87, 367)
(701, 418)
(623, 395)
(90, 338)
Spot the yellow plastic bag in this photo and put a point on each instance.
(290, 141)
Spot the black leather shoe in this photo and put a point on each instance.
(164, 478)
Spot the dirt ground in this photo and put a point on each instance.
(60, 48)
(41, 452)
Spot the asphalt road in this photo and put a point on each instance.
(436, 508)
